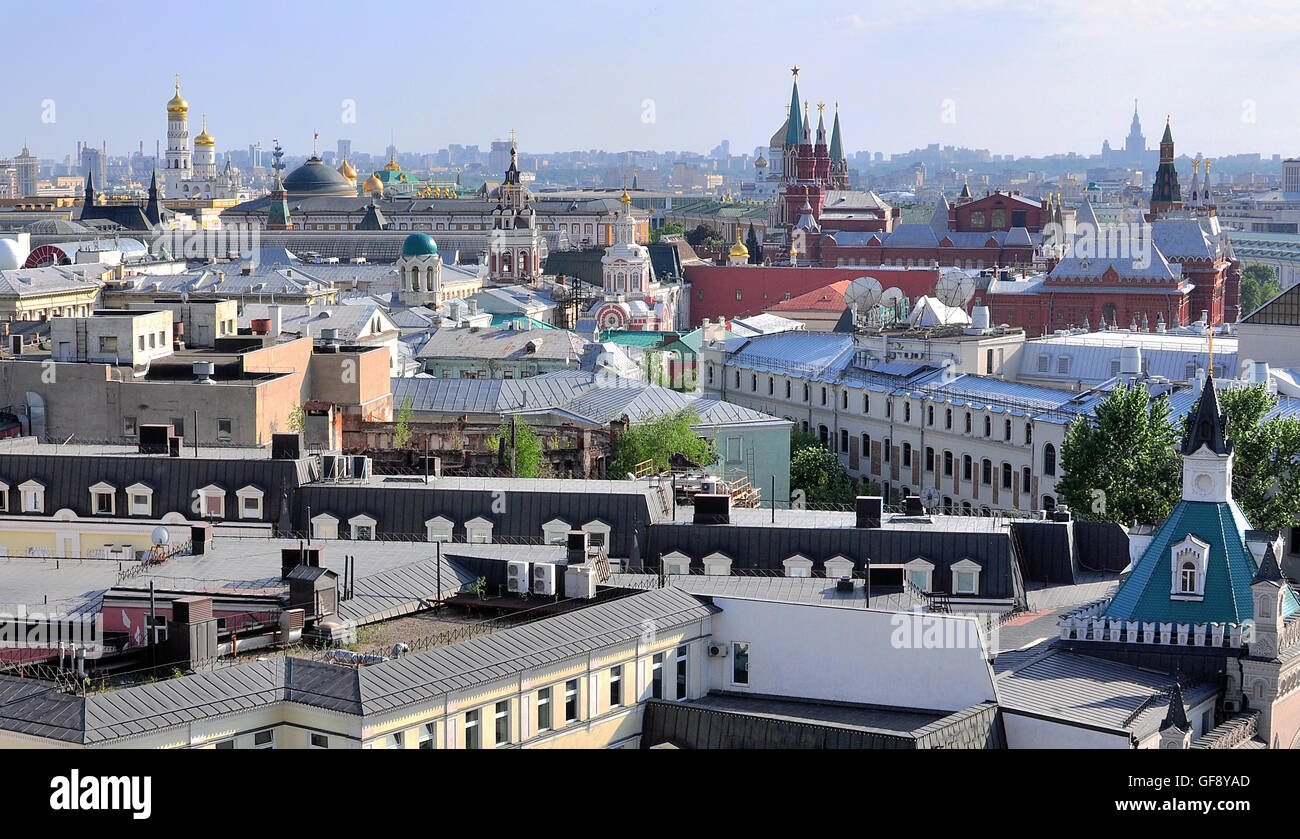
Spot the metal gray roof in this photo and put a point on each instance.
(31, 707)
(1077, 688)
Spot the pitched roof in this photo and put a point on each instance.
(1209, 426)
(829, 298)
(1144, 594)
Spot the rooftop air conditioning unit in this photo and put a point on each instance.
(517, 578)
(544, 578)
(360, 467)
(717, 650)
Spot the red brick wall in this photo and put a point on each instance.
(713, 287)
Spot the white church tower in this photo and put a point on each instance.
(178, 144)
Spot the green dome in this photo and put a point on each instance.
(419, 244)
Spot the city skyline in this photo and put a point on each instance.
(639, 96)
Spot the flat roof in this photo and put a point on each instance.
(898, 722)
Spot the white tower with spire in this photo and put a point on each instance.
(178, 144)
(205, 154)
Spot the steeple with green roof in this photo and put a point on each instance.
(794, 131)
(1198, 568)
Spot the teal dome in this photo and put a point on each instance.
(419, 244)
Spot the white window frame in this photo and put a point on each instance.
(556, 532)
(99, 489)
(717, 564)
(920, 566)
(138, 490)
(268, 745)
(247, 492)
(206, 494)
(33, 496)
(324, 526)
(966, 566)
(360, 521)
(478, 531)
(597, 526)
(798, 566)
(676, 563)
(838, 566)
(1196, 551)
(749, 660)
(438, 529)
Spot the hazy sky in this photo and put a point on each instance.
(1012, 76)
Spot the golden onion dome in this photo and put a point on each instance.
(204, 138)
(177, 105)
(625, 198)
(739, 248)
(391, 165)
(373, 184)
(346, 170)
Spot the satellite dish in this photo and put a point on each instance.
(955, 288)
(892, 295)
(864, 293)
(929, 498)
(160, 536)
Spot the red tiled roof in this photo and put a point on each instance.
(828, 298)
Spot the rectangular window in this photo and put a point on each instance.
(108, 343)
(225, 744)
(503, 722)
(616, 686)
(965, 582)
(224, 428)
(427, 732)
(472, 740)
(264, 740)
(571, 700)
(657, 676)
(544, 709)
(320, 741)
(128, 427)
(739, 663)
(682, 662)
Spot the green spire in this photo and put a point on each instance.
(794, 131)
(837, 149)
(1169, 136)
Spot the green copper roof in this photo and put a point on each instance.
(503, 321)
(837, 148)
(1169, 135)
(419, 244)
(794, 133)
(1144, 594)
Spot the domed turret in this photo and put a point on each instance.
(419, 244)
(204, 138)
(372, 185)
(346, 170)
(177, 105)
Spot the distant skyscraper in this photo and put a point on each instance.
(345, 149)
(499, 157)
(255, 156)
(28, 170)
(94, 161)
(1135, 145)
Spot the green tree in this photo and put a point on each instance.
(402, 428)
(818, 472)
(755, 249)
(1266, 461)
(298, 420)
(515, 436)
(670, 229)
(1122, 465)
(657, 441)
(706, 236)
(1258, 286)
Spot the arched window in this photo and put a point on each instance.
(986, 471)
(947, 420)
(988, 426)
(907, 454)
(1049, 459)
(866, 403)
(1187, 578)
